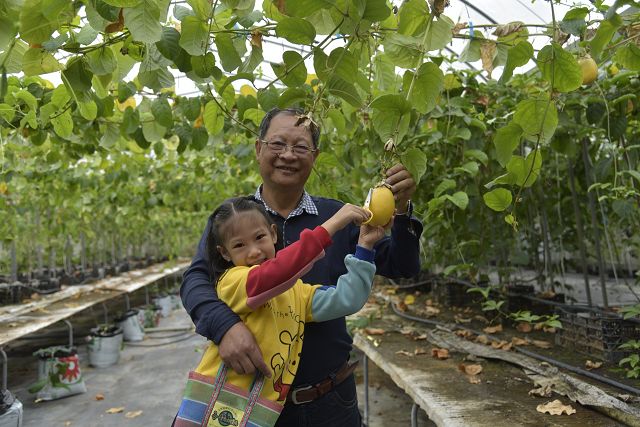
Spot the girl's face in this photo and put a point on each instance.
(248, 239)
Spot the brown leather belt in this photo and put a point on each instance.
(309, 393)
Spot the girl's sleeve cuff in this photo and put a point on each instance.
(365, 254)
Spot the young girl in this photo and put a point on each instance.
(265, 290)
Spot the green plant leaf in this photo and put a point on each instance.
(412, 17)
(460, 199)
(296, 30)
(440, 33)
(151, 129)
(204, 65)
(415, 160)
(559, 68)
(290, 97)
(573, 21)
(498, 199)
(446, 184)
(229, 56)
(102, 61)
(40, 18)
(506, 140)
(255, 115)
(199, 138)
(629, 56)
(427, 86)
(7, 112)
(343, 64)
(604, 34)
(143, 21)
(39, 61)
(525, 171)
(122, 3)
(162, 112)
(391, 103)
(517, 56)
(402, 50)
(302, 8)
(194, 36)
(88, 109)
(292, 71)
(63, 124)
(78, 75)
(537, 117)
(213, 118)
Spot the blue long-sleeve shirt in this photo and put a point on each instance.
(327, 344)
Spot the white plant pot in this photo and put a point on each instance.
(104, 350)
(13, 416)
(131, 327)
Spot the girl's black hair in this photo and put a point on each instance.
(230, 207)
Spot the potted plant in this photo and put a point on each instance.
(104, 343)
(131, 325)
(58, 373)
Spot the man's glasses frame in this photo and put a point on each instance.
(279, 147)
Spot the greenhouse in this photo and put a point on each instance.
(319, 212)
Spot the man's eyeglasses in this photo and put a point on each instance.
(279, 147)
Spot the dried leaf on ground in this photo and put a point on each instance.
(404, 353)
(99, 396)
(482, 339)
(420, 337)
(419, 350)
(549, 330)
(463, 333)
(431, 311)
(428, 302)
(492, 329)
(115, 410)
(440, 353)
(555, 408)
(474, 369)
(473, 379)
(542, 344)
(374, 331)
(592, 365)
(481, 318)
(133, 414)
(408, 330)
(545, 391)
(459, 319)
(524, 327)
(519, 341)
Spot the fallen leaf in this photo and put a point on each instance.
(440, 353)
(473, 379)
(429, 302)
(99, 396)
(404, 353)
(390, 291)
(549, 330)
(519, 341)
(492, 329)
(481, 318)
(374, 331)
(463, 333)
(117, 410)
(133, 414)
(507, 347)
(547, 295)
(524, 327)
(482, 339)
(592, 365)
(470, 369)
(431, 311)
(419, 350)
(420, 337)
(409, 299)
(545, 391)
(538, 326)
(542, 344)
(555, 408)
(459, 319)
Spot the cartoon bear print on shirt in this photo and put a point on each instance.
(284, 375)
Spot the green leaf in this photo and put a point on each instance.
(194, 36)
(289, 98)
(40, 18)
(162, 112)
(26, 96)
(506, 140)
(102, 61)
(412, 17)
(498, 199)
(460, 199)
(204, 65)
(390, 124)
(629, 56)
(302, 8)
(292, 71)
(199, 138)
(268, 98)
(296, 30)
(143, 21)
(525, 171)
(229, 56)
(63, 124)
(39, 61)
(559, 68)
(151, 129)
(537, 117)
(402, 50)
(255, 115)
(343, 64)
(202, 8)
(7, 112)
(517, 56)
(415, 160)
(376, 10)
(604, 34)
(88, 110)
(122, 3)
(446, 184)
(573, 21)
(427, 86)
(78, 75)
(213, 118)
(440, 33)
(13, 62)
(130, 121)
(156, 79)
(391, 103)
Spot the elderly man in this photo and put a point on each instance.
(323, 393)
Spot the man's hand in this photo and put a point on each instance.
(402, 186)
(239, 350)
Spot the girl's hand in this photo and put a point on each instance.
(347, 214)
(369, 235)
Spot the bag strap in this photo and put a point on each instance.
(221, 379)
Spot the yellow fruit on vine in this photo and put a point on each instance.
(613, 70)
(198, 123)
(382, 206)
(4, 188)
(589, 70)
(129, 102)
(247, 90)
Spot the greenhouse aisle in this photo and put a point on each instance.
(145, 387)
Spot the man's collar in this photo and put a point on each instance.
(306, 204)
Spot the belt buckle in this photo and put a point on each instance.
(294, 393)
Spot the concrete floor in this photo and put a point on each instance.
(148, 383)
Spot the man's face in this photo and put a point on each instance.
(287, 169)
